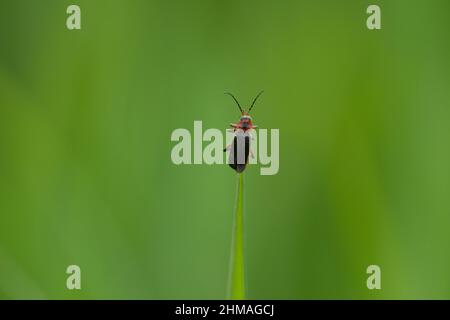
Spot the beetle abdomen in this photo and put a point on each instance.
(239, 151)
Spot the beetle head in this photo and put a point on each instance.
(245, 122)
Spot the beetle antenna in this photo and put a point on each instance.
(256, 98)
(239, 106)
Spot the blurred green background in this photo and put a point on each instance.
(85, 170)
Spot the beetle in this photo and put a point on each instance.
(240, 147)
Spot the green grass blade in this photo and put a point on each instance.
(236, 280)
